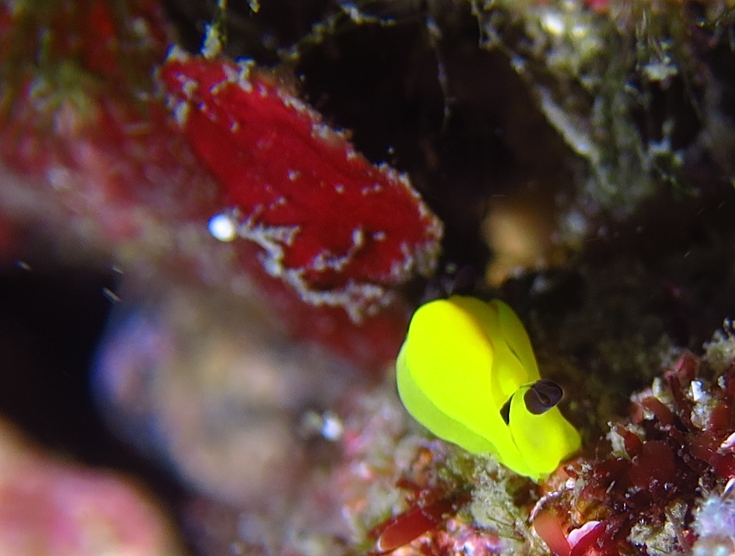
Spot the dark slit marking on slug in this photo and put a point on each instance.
(542, 396)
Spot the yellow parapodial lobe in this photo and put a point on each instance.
(465, 371)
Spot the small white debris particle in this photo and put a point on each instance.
(332, 427)
(293, 175)
(59, 178)
(212, 43)
(375, 188)
(339, 188)
(321, 131)
(246, 65)
(696, 390)
(327, 425)
(109, 294)
(579, 31)
(140, 27)
(231, 74)
(222, 227)
(728, 443)
(181, 113)
(353, 12)
(189, 87)
(176, 53)
(290, 101)
(278, 202)
(217, 88)
(553, 23)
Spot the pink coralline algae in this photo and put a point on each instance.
(338, 229)
(676, 450)
(51, 507)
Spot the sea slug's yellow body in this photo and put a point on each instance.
(464, 372)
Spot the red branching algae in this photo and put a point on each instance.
(335, 227)
(639, 499)
(435, 519)
(421, 517)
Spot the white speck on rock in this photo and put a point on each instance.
(223, 227)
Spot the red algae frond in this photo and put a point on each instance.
(338, 229)
(422, 517)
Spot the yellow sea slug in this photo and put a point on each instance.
(467, 372)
